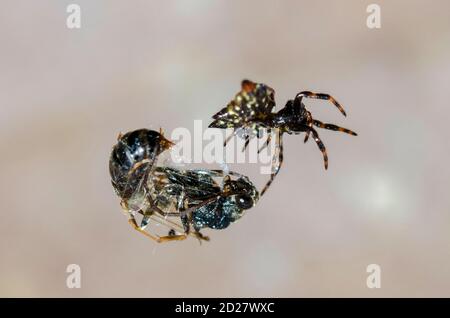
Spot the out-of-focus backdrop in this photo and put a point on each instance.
(65, 94)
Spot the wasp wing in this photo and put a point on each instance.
(197, 184)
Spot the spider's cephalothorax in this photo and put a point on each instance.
(252, 110)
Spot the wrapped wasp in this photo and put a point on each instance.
(186, 201)
(252, 110)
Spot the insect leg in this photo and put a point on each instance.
(186, 219)
(182, 214)
(201, 237)
(320, 124)
(327, 97)
(169, 238)
(221, 173)
(141, 229)
(154, 207)
(198, 206)
(159, 239)
(134, 224)
(279, 162)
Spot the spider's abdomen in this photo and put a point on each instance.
(253, 103)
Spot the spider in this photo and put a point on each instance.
(252, 110)
(176, 198)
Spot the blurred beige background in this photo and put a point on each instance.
(65, 95)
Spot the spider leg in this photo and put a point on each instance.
(259, 125)
(279, 160)
(327, 97)
(309, 123)
(229, 138)
(247, 141)
(266, 144)
(320, 124)
(321, 146)
(234, 133)
(307, 133)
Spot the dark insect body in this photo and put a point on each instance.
(202, 201)
(252, 110)
(193, 198)
(131, 157)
